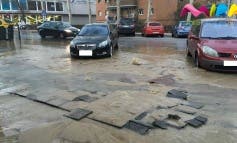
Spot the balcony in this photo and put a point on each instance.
(123, 4)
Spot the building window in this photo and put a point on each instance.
(50, 6)
(32, 5)
(152, 11)
(5, 5)
(99, 13)
(23, 4)
(141, 11)
(14, 4)
(58, 18)
(59, 6)
(39, 5)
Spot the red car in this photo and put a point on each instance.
(153, 28)
(212, 43)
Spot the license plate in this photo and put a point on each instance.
(230, 63)
(85, 52)
(155, 32)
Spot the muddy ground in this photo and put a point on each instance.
(42, 70)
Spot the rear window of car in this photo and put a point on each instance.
(126, 21)
(186, 23)
(94, 30)
(219, 29)
(154, 24)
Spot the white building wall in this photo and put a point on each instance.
(80, 11)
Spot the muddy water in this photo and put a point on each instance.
(46, 64)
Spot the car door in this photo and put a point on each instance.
(56, 29)
(51, 29)
(45, 29)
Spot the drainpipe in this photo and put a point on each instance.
(189, 14)
(148, 11)
(89, 10)
(118, 10)
(69, 11)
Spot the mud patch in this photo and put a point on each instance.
(167, 80)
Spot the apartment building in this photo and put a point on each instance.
(36, 11)
(161, 10)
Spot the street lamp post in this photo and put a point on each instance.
(148, 10)
(69, 11)
(118, 10)
(89, 10)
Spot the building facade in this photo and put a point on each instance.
(164, 11)
(36, 11)
(161, 10)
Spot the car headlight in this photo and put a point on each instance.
(104, 43)
(209, 51)
(68, 31)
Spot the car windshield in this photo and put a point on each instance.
(219, 29)
(66, 25)
(94, 30)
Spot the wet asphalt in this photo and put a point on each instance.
(45, 70)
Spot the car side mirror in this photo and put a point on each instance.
(194, 37)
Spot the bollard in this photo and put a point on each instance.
(7, 34)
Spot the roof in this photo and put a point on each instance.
(218, 19)
(97, 24)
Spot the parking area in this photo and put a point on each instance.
(46, 96)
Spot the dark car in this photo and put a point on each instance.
(57, 29)
(97, 39)
(212, 44)
(126, 26)
(181, 29)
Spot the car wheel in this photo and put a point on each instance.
(133, 34)
(196, 60)
(176, 35)
(61, 35)
(111, 51)
(145, 35)
(41, 34)
(73, 57)
(188, 54)
(162, 35)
